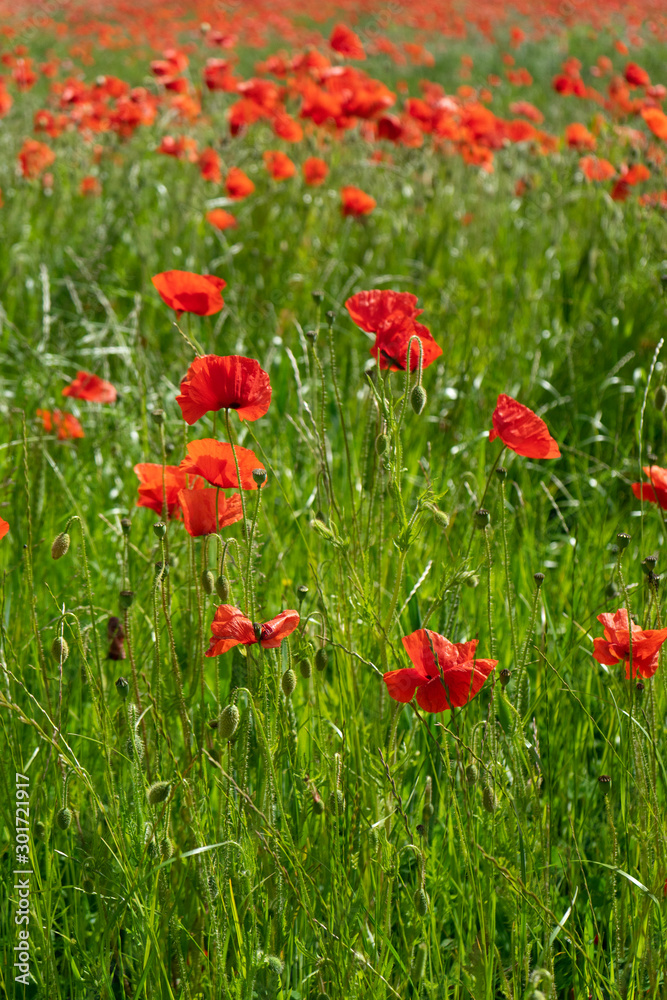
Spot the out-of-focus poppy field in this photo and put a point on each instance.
(333, 479)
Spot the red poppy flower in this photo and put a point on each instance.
(445, 674)
(90, 186)
(153, 476)
(278, 164)
(209, 165)
(355, 201)
(214, 460)
(199, 510)
(344, 41)
(4, 528)
(636, 76)
(522, 430)
(616, 645)
(35, 157)
(391, 317)
(655, 491)
(237, 184)
(287, 128)
(185, 291)
(91, 388)
(235, 383)
(315, 171)
(577, 136)
(64, 424)
(230, 627)
(595, 169)
(221, 219)
(656, 121)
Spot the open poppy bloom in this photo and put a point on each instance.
(230, 627)
(185, 291)
(315, 171)
(278, 164)
(521, 430)
(391, 316)
(35, 157)
(92, 388)
(229, 383)
(445, 674)
(157, 481)
(221, 220)
(354, 201)
(4, 527)
(346, 42)
(616, 645)
(214, 461)
(64, 424)
(655, 491)
(200, 507)
(237, 184)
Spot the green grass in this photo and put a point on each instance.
(555, 298)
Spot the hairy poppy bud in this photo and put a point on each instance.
(318, 296)
(471, 580)
(622, 540)
(489, 799)
(59, 649)
(472, 774)
(125, 599)
(481, 518)
(60, 545)
(228, 723)
(505, 675)
(222, 588)
(660, 398)
(289, 683)
(64, 818)
(538, 578)
(421, 901)
(158, 416)
(321, 659)
(305, 668)
(604, 783)
(301, 592)
(122, 687)
(381, 443)
(274, 965)
(419, 961)
(501, 473)
(160, 529)
(259, 476)
(418, 398)
(440, 518)
(322, 529)
(125, 525)
(208, 581)
(158, 792)
(39, 830)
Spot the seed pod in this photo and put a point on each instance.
(64, 818)
(158, 792)
(505, 675)
(228, 723)
(59, 649)
(472, 773)
(501, 473)
(305, 668)
(60, 545)
(208, 581)
(158, 416)
(538, 578)
(318, 296)
(489, 799)
(88, 885)
(259, 476)
(418, 398)
(427, 813)
(289, 683)
(125, 599)
(419, 961)
(159, 529)
(222, 588)
(649, 564)
(622, 540)
(481, 518)
(125, 526)
(122, 687)
(301, 592)
(318, 804)
(421, 901)
(604, 783)
(321, 659)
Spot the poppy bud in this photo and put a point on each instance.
(381, 443)
(305, 668)
(421, 901)
(318, 296)
(489, 799)
(321, 659)
(604, 783)
(501, 472)
(158, 416)
(64, 818)
(259, 476)
(274, 965)
(622, 540)
(471, 580)
(418, 398)
(505, 675)
(538, 578)
(481, 518)
(208, 581)
(660, 398)
(311, 335)
(39, 830)
(229, 720)
(125, 599)
(158, 792)
(472, 773)
(336, 802)
(88, 885)
(122, 687)
(301, 592)
(59, 649)
(440, 518)
(160, 529)
(125, 525)
(222, 588)
(289, 683)
(419, 961)
(60, 545)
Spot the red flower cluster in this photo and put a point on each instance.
(92, 388)
(230, 627)
(65, 425)
(630, 645)
(391, 316)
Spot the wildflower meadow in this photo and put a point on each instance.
(333, 480)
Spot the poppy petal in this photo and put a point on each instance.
(214, 461)
(278, 628)
(214, 383)
(199, 510)
(402, 684)
(522, 430)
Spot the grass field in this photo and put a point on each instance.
(271, 821)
